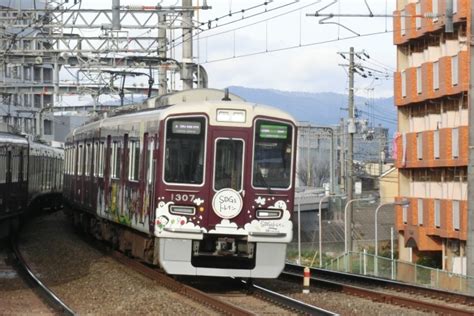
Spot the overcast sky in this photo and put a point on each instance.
(313, 67)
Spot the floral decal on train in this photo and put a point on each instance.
(164, 219)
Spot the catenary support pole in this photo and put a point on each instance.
(187, 66)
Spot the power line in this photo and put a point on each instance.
(296, 46)
(247, 25)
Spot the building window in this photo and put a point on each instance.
(456, 215)
(418, 81)
(48, 127)
(435, 10)
(404, 214)
(402, 22)
(454, 70)
(420, 212)
(436, 144)
(436, 75)
(419, 146)
(455, 142)
(418, 17)
(437, 208)
(404, 84)
(455, 6)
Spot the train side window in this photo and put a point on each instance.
(3, 165)
(71, 160)
(80, 158)
(134, 160)
(68, 160)
(14, 166)
(66, 150)
(25, 164)
(115, 159)
(96, 159)
(74, 171)
(87, 161)
(101, 163)
(20, 165)
(8, 166)
(151, 147)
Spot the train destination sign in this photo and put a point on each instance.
(273, 131)
(186, 127)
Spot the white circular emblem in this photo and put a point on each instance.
(227, 203)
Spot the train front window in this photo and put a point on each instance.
(184, 151)
(228, 164)
(272, 155)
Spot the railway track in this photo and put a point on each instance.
(47, 294)
(386, 291)
(256, 299)
(289, 302)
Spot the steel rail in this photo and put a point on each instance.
(53, 300)
(455, 297)
(377, 296)
(289, 302)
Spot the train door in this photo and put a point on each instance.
(4, 187)
(227, 182)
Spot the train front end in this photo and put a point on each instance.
(226, 191)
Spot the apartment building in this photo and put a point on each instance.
(431, 95)
(25, 101)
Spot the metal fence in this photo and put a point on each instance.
(368, 264)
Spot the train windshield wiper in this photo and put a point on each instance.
(263, 179)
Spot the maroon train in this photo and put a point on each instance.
(194, 182)
(30, 172)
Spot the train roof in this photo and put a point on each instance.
(185, 105)
(12, 138)
(43, 149)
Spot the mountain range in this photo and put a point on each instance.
(323, 108)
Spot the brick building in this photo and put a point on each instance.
(431, 95)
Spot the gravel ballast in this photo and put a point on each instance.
(91, 282)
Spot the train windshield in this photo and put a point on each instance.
(272, 157)
(184, 151)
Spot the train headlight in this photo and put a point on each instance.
(269, 214)
(182, 210)
(229, 115)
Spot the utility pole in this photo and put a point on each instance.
(342, 156)
(351, 130)
(187, 66)
(470, 170)
(162, 46)
(350, 155)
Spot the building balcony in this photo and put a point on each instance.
(410, 27)
(446, 147)
(432, 80)
(426, 221)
